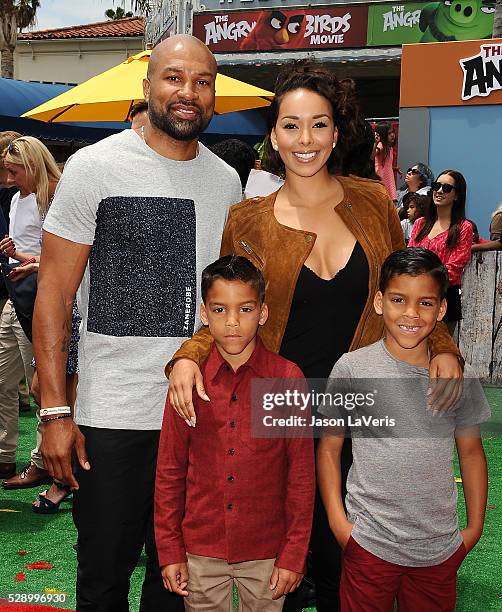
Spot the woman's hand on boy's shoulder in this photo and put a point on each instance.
(175, 577)
(446, 382)
(284, 581)
(185, 375)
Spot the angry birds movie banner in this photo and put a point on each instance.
(325, 28)
(339, 26)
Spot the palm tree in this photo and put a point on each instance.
(118, 13)
(497, 22)
(14, 15)
(143, 7)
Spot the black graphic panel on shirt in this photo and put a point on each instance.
(142, 266)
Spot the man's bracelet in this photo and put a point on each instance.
(54, 411)
(55, 418)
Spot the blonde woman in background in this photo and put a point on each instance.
(31, 167)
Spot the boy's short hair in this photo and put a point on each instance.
(232, 268)
(414, 261)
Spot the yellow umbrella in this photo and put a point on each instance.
(110, 95)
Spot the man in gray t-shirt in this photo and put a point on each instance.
(135, 219)
(399, 527)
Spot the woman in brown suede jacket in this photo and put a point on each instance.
(320, 242)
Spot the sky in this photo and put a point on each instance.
(62, 13)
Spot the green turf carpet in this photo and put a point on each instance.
(51, 539)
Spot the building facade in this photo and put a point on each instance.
(74, 54)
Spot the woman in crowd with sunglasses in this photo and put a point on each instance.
(418, 179)
(445, 231)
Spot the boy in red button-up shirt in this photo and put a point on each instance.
(230, 507)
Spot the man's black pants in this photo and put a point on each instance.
(113, 513)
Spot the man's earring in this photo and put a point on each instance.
(334, 144)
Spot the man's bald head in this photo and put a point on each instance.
(180, 45)
(180, 87)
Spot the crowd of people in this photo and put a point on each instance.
(311, 279)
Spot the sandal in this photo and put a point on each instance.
(46, 506)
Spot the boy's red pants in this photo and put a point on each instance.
(370, 584)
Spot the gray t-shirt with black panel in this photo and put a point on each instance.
(401, 492)
(154, 223)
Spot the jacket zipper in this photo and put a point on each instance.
(250, 251)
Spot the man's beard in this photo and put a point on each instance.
(175, 127)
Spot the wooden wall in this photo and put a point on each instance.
(480, 331)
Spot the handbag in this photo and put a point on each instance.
(22, 293)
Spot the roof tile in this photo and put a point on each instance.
(130, 26)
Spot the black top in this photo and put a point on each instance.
(324, 316)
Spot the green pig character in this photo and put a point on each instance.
(457, 20)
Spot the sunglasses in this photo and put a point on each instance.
(412, 171)
(446, 187)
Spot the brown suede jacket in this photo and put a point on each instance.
(279, 251)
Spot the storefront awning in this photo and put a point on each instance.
(342, 56)
(17, 97)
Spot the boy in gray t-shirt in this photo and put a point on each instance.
(400, 531)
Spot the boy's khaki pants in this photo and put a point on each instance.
(211, 580)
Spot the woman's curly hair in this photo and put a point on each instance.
(341, 94)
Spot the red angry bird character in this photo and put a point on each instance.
(275, 30)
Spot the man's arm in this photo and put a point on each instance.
(62, 266)
(489, 245)
(329, 479)
(474, 472)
